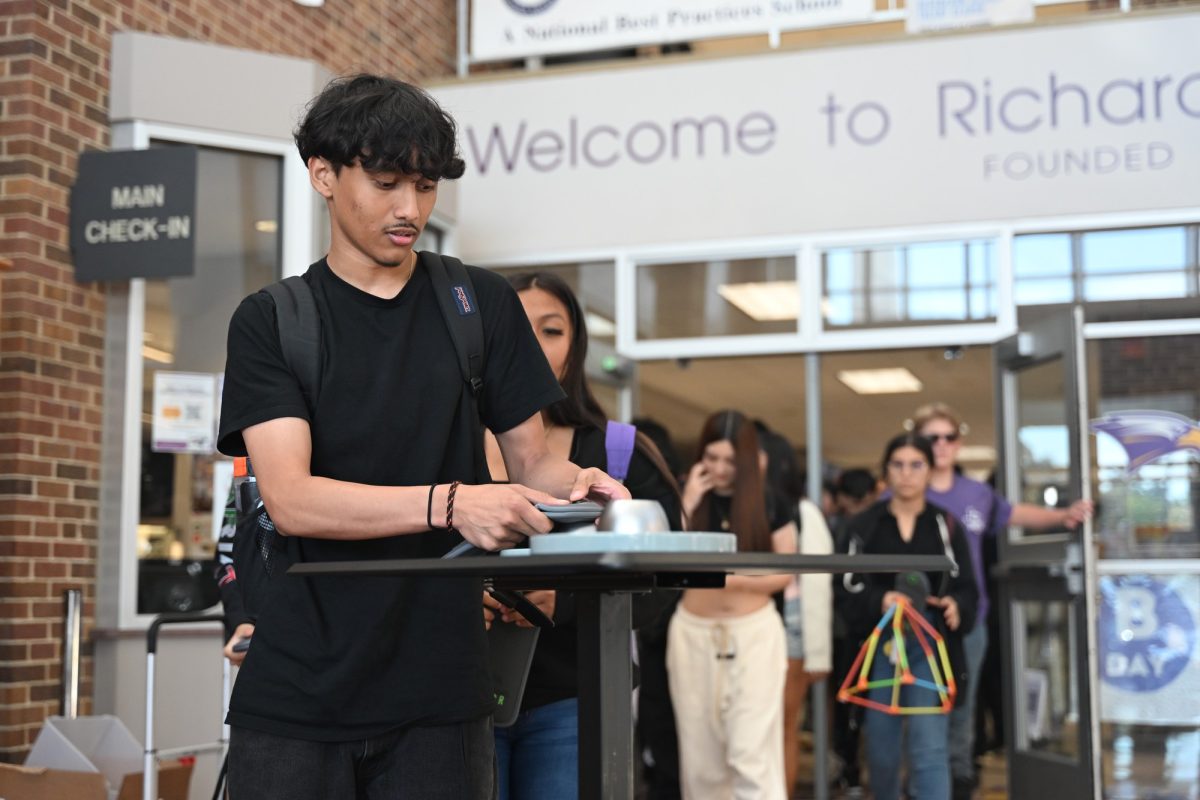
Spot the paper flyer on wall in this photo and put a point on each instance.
(184, 412)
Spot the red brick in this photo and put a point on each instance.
(53, 489)
(15, 570)
(49, 569)
(68, 550)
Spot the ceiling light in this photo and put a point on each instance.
(764, 301)
(154, 354)
(895, 380)
(599, 326)
(266, 226)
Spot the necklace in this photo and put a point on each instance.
(726, 523)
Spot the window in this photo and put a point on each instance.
(183, 356)
(912, 284)
(1153, 510)
(717, 298)
(1098, 266)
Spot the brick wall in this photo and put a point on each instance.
(54, 77)
(1150, 367)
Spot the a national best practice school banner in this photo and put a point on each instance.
(518, 28)
(1149, 650)
(1016, 123)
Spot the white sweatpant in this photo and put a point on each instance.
(727, 678)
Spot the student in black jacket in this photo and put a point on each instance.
(538, 756)
(905, 524)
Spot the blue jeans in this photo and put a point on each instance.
(538, 755)
(962, 718)
(928, 756)
(445, 762)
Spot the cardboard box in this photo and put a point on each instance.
(42, 783)
(100, 749)
(174, 780)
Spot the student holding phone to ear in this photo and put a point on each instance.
(726, 648)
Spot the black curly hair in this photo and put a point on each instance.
(381, 124)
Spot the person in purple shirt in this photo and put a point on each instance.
(982, 511)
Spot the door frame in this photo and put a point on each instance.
(1057, 568)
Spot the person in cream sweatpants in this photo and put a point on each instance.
(727, 677)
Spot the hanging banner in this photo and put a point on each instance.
(1097, 117)
(518, 28)
(1148, 655)
(184, 413)
(940, 15)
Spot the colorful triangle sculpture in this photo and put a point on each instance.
(854, 689)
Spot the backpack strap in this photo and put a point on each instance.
(619, 439)
(944, 530)
(299, 333)
(456, 299)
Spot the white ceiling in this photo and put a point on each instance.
(680, 395)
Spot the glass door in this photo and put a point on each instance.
(1044, 577)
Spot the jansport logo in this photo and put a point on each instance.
(529, 6)
(463, 301)
(1149, 435)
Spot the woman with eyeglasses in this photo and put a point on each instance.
(907, 524)
(982, 512)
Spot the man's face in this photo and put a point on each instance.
(946, 441)
(375, 216)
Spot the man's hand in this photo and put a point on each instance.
(542, 598)
(949, 608)
(1076, 513)
(598, 485)
(493, 608)
(243, 631)
(498, 516)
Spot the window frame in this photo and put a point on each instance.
(117, 583)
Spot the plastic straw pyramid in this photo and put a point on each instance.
(858, 683)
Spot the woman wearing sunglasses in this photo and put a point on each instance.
(982, 511)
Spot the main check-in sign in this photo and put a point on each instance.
(133, 214)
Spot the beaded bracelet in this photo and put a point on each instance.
(450, 505)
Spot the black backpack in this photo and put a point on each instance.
(249, 552)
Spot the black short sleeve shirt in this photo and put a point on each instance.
(346, 658)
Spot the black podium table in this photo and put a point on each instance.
(603, 584)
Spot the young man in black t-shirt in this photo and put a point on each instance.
(378, 687)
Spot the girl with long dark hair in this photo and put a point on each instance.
(726, 652)
(538, 756)
(906, 524)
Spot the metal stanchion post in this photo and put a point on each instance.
(820, 722)
(820, 708)
(72, 633)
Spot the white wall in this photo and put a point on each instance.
(1091, 117)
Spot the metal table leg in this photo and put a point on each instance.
(605, 695)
